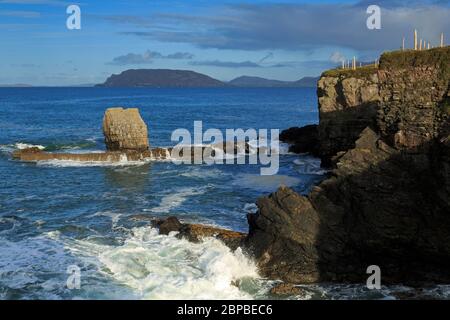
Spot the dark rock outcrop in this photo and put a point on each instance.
(302, 140)
(387, 202)
(196, 232)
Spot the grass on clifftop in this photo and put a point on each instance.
(408, 58)
(360, 72)
(437, 57)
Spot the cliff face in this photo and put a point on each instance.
(403, 100)
(414, 89)
(347, 104)
(387, 202)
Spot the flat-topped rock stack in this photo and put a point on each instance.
(126, 139)
(125, 130)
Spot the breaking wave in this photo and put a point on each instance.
(163, 267)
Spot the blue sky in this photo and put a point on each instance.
(275, 39)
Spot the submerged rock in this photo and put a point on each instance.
(125, 130)
(34, 154)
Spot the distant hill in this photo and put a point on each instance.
(253, 82)
(188, 79)
(247, 81)
(309, 82)
(160, 78)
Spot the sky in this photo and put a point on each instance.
(275, 39)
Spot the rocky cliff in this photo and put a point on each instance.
(386, 132)
(347, 105)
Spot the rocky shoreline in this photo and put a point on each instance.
(387, 202)
(385, 133)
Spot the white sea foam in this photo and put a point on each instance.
(19, 260)
(9, 148)
(175, 199)
(265, 183)
(152, 266)
(21, 146)
(164, 267)
(309, 165)
(281, 148)
(250, 207)
(72, 163)
(203, 173)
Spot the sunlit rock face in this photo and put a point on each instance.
(125, 130)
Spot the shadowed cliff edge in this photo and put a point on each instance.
(387, 201)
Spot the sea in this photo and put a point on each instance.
(72, 230)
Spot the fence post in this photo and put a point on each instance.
(415, 39)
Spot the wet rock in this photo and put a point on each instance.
(302, 140)
(39, 155)
(286, 289)
(125, 130)
(171, 224)
(196, 232)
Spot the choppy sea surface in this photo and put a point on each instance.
(56, 215)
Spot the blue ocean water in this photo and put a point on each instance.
(57, 216)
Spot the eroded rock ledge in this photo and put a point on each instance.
(196, 232)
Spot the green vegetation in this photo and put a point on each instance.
(437, 57)
(360, 72)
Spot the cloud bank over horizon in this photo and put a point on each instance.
(278, 39)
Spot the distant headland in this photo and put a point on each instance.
(157, 78)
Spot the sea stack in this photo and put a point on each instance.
(125, 130)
